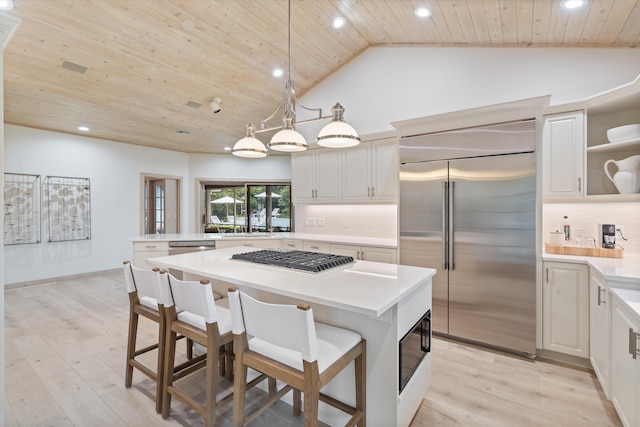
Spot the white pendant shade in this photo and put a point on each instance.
(249, 146)
(288, 140)
(338, 133)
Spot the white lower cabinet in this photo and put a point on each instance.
(599, 331)
(625, 366)
(366, 253)
(144, 250)
(565, 308)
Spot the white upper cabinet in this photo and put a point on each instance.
(370, 172)
(563, 149)
(316, 176)
(366, 173)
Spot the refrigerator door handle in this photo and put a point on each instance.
(445, 225)
(452, 264)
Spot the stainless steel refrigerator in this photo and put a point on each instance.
(468, 208)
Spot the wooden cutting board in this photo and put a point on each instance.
(582, 251)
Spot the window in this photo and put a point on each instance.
(246, 207)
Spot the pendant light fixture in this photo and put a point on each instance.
(335, 134)
(249, 146)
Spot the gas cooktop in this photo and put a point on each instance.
(299, 260)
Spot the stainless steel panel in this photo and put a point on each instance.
(492, 288)
(503, 138)
(421, 229)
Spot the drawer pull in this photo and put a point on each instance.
(633, 343)
(150, 246)
(600, 300)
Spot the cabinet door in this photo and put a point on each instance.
(384, 171)
(328, 175)
(346, 250)
(599, 337)
(565, 309)
(624, 366)
(303, 174)
(356, 185)
(564, 152)
(386, 255)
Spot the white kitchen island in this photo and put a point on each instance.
(380, 301)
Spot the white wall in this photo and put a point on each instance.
(388, 84)
(114, 170)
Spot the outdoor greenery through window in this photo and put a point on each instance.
(247, 208)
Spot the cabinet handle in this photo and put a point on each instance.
(600, 301)
(373, 191)
(248, 244)
(361, 254)
(150, 246)
(546, 272)
(633, 343)
(368, 191)
(291, 245)
(579, 184)
(314, 247)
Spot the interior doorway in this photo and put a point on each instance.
(161, 205)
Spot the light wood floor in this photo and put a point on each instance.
(65, 351)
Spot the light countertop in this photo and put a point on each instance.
(631, 297)
(626, 269)
(347, 240)
(364, 287)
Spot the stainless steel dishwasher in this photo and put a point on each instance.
(187, 246)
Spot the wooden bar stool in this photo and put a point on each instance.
(204, 321)
(284, 342)
(143, 301)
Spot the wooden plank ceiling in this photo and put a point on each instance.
(147, 59)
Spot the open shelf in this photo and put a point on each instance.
(615, 147)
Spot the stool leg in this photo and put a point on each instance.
(131, 346)
(361, 383)
(169, 361)
(213, 356)
(311, 394)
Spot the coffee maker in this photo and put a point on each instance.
(607, 235)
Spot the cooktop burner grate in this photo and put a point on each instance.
(299, 260)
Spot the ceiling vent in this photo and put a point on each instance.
(193, 104)
(72, 66)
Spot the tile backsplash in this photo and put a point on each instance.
(585, 217)
(349, 220)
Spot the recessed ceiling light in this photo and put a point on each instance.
(6, 4)
(277, 72)
(83, 128)
(338, 22)
(227, 148)
(573, 4)
(422, 12)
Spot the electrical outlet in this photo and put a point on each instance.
(310, 222)
(320, 222)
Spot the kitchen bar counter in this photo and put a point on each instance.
(380, 301)
(335, 238)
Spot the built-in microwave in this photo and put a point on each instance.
(413, 347)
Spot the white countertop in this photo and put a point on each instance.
(631, 297)
(364, 287)
(626, 269)
(347, 240)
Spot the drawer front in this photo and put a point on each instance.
(140, 258)
(322, 247)
(292, 244)
(151, 246)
